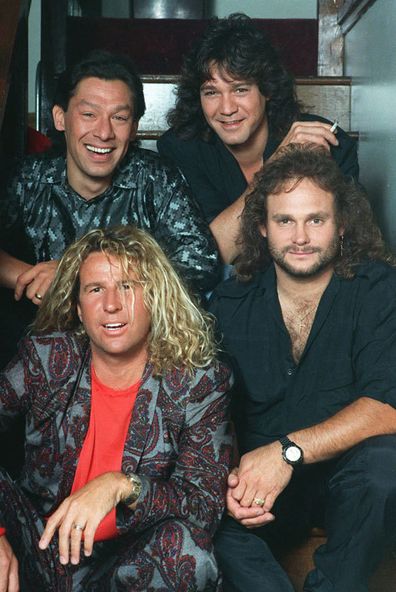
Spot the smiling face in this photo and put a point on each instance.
(98, 127)
(112, 310)
(301, 230)
(234, 109)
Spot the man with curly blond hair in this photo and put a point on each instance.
(127, 438)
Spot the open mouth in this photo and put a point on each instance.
(233, 123)
(114, 326)
(96, 150)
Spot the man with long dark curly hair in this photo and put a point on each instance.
(310, 325)
(235, 106)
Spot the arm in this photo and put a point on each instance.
(16, 274)
(185, 236)
(195, 490)
(9, 580)
(372, 364)
(263, 472)
(25, 278)
(10, 269)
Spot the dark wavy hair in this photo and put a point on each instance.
(362, 237)
(106, 66)
(243, 52)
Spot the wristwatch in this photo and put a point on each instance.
(136, 483)
(291, 453)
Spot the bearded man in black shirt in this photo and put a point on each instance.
(310, 325)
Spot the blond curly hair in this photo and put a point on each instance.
(181, 334)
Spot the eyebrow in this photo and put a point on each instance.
(319, 214)
(117, 108)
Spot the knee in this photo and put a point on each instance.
(371, 465)
(192, 550)
(175, 556)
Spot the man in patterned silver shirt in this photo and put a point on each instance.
(103, 180)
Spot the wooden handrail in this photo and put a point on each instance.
(350, 12)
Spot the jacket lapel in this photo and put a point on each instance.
(142, 420)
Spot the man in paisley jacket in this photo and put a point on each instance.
(127, 436)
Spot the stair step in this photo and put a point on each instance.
(326, 96)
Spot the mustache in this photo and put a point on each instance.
(293, 249)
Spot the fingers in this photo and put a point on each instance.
(35, 281)
(252, 517)
(9, 581)
(13, 578)
(75, 536)
(258, 521)
(302, 132)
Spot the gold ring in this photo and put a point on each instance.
(38, 296)
(259, 501)
(78, 527)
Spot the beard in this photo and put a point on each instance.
(325, 258)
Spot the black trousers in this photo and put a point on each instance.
(353, 497)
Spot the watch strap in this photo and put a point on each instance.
(136, 483)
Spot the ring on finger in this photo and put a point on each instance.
(259, 501)
(78, 526)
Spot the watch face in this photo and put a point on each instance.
(293, 453)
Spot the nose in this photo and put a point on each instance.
(104, 129)
(112, 300)
(228, 104)
(300, 236)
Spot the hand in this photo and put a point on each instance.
(262, 473)
(36, 280)
(315, 132)
(86, 507)
(251, 517)
(9, 580)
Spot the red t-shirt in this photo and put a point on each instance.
(105, 440)
(104, 443)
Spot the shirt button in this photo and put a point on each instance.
(290, 371)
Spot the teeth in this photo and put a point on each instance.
(98, 150)
(114, 325)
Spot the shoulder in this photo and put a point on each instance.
(234, 289)
(59, 353)
(232, 299)
(139, 164)
(175, 147)
(376, 275)
(40, 169)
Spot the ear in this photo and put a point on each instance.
(79, 312)
(58, 116)
(263, 230)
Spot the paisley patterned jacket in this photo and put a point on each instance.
(178, 441)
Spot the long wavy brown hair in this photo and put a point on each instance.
(362, 238)
(240, 51)
(181, 334)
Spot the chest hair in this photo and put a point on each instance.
(298, 317)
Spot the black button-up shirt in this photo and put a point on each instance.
(350, 352)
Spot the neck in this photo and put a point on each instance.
(249, 155)
(290, 287)
(88, 188)
(116, 372)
